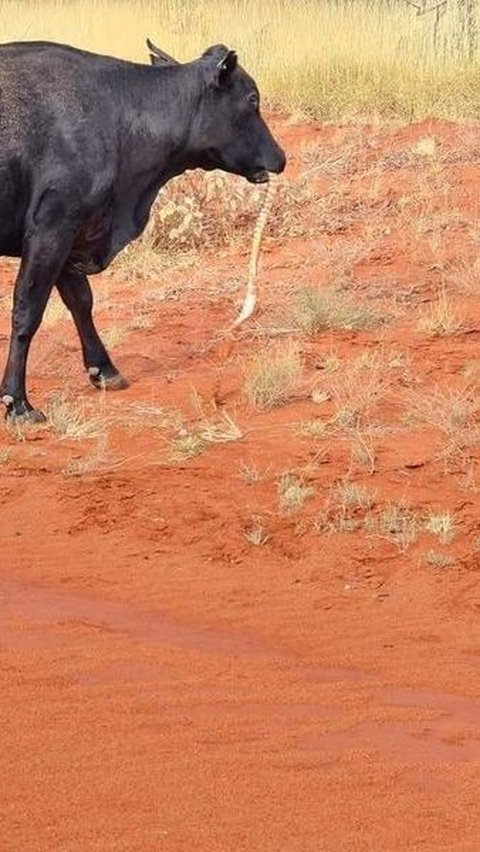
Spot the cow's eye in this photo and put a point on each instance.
(253, 99)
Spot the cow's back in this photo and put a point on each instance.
(57, 117)
(43, 84)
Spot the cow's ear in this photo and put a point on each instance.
(225, 67)
(159, 57)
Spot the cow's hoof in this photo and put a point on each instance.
(105, 381)
(21, 412)
(31, 417)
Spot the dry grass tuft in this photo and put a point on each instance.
(142, 316)
(351, 495)
(74, 420)
(347, 509)
(191, 441)
(221, 430)
(250, 473)
(92, 461)
(441, 525)
(329, 363)
(317, 310)
(293, 492)
(439, 560)
(312, 428)
(356, 390)
(441, 319)
(446, 409)
(187, 445)
(255, 532)
(398, 523)
(273, 376)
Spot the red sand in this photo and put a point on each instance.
(165, 684)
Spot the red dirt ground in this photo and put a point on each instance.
(166, 683)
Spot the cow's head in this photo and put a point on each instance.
(228, 131)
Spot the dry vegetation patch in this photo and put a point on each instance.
(317, 310)
(192, 439)
(439, 560)
(441, 525)
(75, 419)
(353, 392)
(273, 375)
(293, 492)
(441, 318)
(255, 532)
(453, 412)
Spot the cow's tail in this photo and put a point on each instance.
(250, 300)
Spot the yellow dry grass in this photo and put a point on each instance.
(318, 57)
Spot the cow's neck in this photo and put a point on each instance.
(157, 121)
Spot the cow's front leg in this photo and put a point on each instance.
(43, 257)
(75, 290)
(32, 289)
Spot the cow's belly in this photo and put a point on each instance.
(10, 244)
(92, 250)
(103, 236)
(11, 235)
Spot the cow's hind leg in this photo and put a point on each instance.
(75, 290)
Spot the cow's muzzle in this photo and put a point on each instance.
(258, 176)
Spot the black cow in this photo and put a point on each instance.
(86, 142)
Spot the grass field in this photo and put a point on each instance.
(319, 58)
